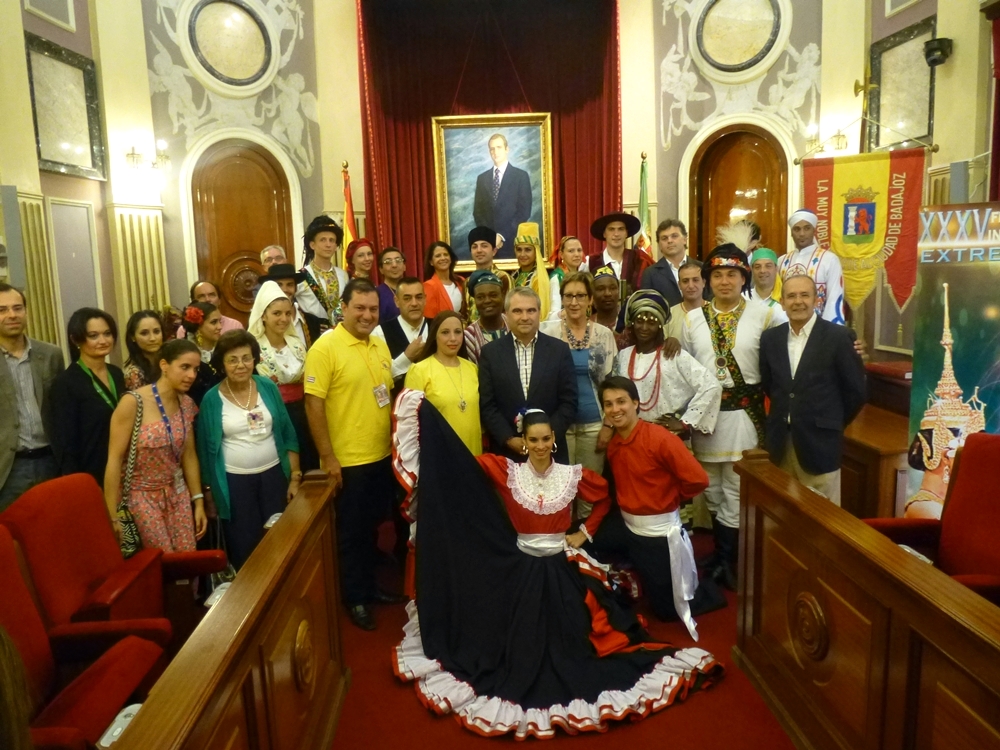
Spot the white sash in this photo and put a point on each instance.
(683, 571)
(541, 545)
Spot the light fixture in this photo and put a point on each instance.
(162, 157)
(134, 158)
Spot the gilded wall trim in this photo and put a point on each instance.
(43, 307)
(139, 256)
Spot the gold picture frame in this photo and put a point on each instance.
(463, 188)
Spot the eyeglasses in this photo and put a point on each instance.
(394, 262)
(575, 297)
(246, 359)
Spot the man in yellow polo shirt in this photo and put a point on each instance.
(347, 382)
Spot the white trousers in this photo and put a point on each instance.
(723, 492)
(581, 439)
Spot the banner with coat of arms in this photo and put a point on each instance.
(868, 211)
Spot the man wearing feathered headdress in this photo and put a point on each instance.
(725, 338)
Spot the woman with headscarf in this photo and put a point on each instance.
(531, 269)
(282, 360)
(568, 258)
(677, 393)
(361, 260)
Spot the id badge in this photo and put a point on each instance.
(381, 395)
(255, 422)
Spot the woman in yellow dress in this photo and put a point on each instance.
(448, 379)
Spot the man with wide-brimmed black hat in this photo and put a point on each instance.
(627, 263)
(725, 338)
(322, 274)
(310, 317)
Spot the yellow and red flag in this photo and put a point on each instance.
(868, 211)
(350, 224)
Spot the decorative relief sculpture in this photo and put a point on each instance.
(793, 99)
(283, 109)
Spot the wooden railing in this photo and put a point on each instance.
(855, 643)
(264, 669)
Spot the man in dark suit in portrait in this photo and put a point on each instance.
(526, 370)
(816, 382)
(503, 195)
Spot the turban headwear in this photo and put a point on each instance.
(483, 234)
(482, 277)
(728, 256)
(527, 234)
(650, 302)
(803, 214)
(605, 271)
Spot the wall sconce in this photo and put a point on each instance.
(134, 158)
(162, 158)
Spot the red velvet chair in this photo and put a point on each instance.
(76, 716)
(963, 543)
(76, 565)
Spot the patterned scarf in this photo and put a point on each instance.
(742, 396)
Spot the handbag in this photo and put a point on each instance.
(130, 542)
(218, 541)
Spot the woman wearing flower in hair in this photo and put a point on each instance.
(514, 627)
(283, 360)
(202, 322)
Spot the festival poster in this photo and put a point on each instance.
(867, 207)
(956, 356)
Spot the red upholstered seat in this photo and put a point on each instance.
(76, 565)
(964, 542)
(80, 713)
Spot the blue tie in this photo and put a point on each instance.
(496, 183)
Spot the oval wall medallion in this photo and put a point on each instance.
(230, 41)
(809, 628)
(303, 657)
(735, 35)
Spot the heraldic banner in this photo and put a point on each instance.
(956, 346)
(868, 211)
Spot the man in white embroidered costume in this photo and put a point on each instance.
(822, 266)
(325, 281)
(725, 338)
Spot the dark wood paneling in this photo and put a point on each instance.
(241, 205)
(875, 447)
(854, 643)
(740, 172)
(264, 669)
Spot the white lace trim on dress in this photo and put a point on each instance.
(543, 494)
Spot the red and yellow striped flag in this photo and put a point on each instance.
(868, 211)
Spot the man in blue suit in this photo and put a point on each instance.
(503, 196)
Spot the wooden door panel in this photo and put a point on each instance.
(741, 173)
(241, 204)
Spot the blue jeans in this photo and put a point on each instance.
(25, 474)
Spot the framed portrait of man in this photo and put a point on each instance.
(494, 171)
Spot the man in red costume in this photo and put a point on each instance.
(654, 472)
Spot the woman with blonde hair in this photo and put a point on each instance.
(283, 360)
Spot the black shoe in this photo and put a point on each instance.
(361, 616)
(727, 542)
(707, 598)
(384, 597)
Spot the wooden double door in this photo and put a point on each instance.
(739, 173)
(242, 204)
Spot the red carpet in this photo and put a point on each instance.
(382, 712)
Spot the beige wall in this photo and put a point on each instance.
(18, 154)
(638, 98)
(845, 52)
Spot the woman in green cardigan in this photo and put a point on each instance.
(247, 447)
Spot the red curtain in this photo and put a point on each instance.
(459, 57)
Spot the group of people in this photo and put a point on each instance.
(612, 376)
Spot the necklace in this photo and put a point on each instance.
(573, 341)
(460, 388)
(651, 402)
(236, 400)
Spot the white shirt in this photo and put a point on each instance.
(245, 453)
(823, 267)
(455, 294)
(797, 343)
(616, 265)
(402, 363)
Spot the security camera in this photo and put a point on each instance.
(936, 51)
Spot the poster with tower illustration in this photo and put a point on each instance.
(956, 356)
